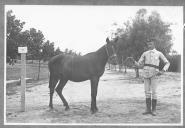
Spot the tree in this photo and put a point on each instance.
(79, 54)
(142, 27)
(32, 38)
(66, 51)
(13, 32)
(48, 50)
(35, 43)
(58, 51)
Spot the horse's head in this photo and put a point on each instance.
(111, 49)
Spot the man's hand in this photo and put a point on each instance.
(160, 73)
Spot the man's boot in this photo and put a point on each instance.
(148, 106)
(154, 103)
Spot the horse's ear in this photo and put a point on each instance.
(107, 40)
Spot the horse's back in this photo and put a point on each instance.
(61, 64)
(75, 68)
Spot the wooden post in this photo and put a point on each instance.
(23, 51)
(23, 80)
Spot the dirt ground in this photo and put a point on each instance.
(120, 100)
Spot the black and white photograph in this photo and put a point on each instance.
(93, 65)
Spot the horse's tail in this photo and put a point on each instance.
(53, 66)
(54, 63)
(51, 74)
(50, 81)
(53, 79)
(50, 66)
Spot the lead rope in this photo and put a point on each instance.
(114, 55)
(107, 51)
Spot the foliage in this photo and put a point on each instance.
(71, 52)
(38, 49)
(15, 37)
(133, 36)
(13, 29)
(35, 43)
(48, 50)
(57, 51)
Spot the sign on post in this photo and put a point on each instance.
(23, 51)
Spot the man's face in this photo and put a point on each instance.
(150, 45)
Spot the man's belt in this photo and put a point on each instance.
(151, 65)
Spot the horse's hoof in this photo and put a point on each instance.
(94, 111)
(67, 108)
(51, 106)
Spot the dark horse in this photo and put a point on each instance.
(79, 68)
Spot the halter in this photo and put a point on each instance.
(113, 55)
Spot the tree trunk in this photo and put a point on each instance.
(125, 69)
(120, 67)
(111, 67)
(137, 72)
(39, 71)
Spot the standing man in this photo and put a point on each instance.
(149, 60)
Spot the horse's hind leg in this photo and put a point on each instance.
(59, 89)
(52, 83)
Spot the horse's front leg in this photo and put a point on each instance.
(94, 89)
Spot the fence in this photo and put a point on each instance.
(32, 70)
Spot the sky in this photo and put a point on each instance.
(85, 28)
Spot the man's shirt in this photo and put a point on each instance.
(152, 57)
